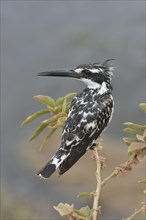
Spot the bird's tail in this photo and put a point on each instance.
(53, 164)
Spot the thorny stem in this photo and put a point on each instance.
(137, 212)
(98, 186)
(121, 169)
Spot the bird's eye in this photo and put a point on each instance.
(86, 71)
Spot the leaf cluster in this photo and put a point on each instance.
(66, 210)
(136, 144)
(57, 111)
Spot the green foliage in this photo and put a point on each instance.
(86, 195)
(34, 116)
(66, 210)
(144, 182)
(57, 109)
(143, 106)
(137, 144)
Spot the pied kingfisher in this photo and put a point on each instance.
(89, 114)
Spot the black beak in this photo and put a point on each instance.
(61, 73)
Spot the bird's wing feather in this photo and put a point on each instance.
(83, 126)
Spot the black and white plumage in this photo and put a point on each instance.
(89, 114)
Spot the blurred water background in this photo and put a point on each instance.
(41, 35)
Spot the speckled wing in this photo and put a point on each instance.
(88, 116)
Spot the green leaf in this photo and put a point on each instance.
(53, 121)
(70, 95)
(59, 101)
(86, 195)
(34, 116)
(84, 213)
(55, 125)
(61, 121)
(51, 110)
(140, 155)
(45, 100)
(57, 109)
(142, 181)
(143, 106)
(136, 146)
(68, 106)
(132, 131)
(64, 209)
(43, 125)
(38, 131)
(87, 211)
(142, 137)
(64, 105)
(80, 214)
(47, 138)
(135, 126)
(128, 141)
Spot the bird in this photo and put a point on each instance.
(89, 114)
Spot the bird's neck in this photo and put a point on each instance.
(100, 88)
(103, 88)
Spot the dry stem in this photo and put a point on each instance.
(121, 169)
(137, 212)
(98, 186)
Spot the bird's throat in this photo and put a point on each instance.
(102, 88)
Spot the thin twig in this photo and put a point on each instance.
(137, 212)
(98, 186)
(73, 218)
(121, 169)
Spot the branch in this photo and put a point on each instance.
(137, 212)
(121, 169)
(98, 178)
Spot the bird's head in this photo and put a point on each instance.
(94, 75)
